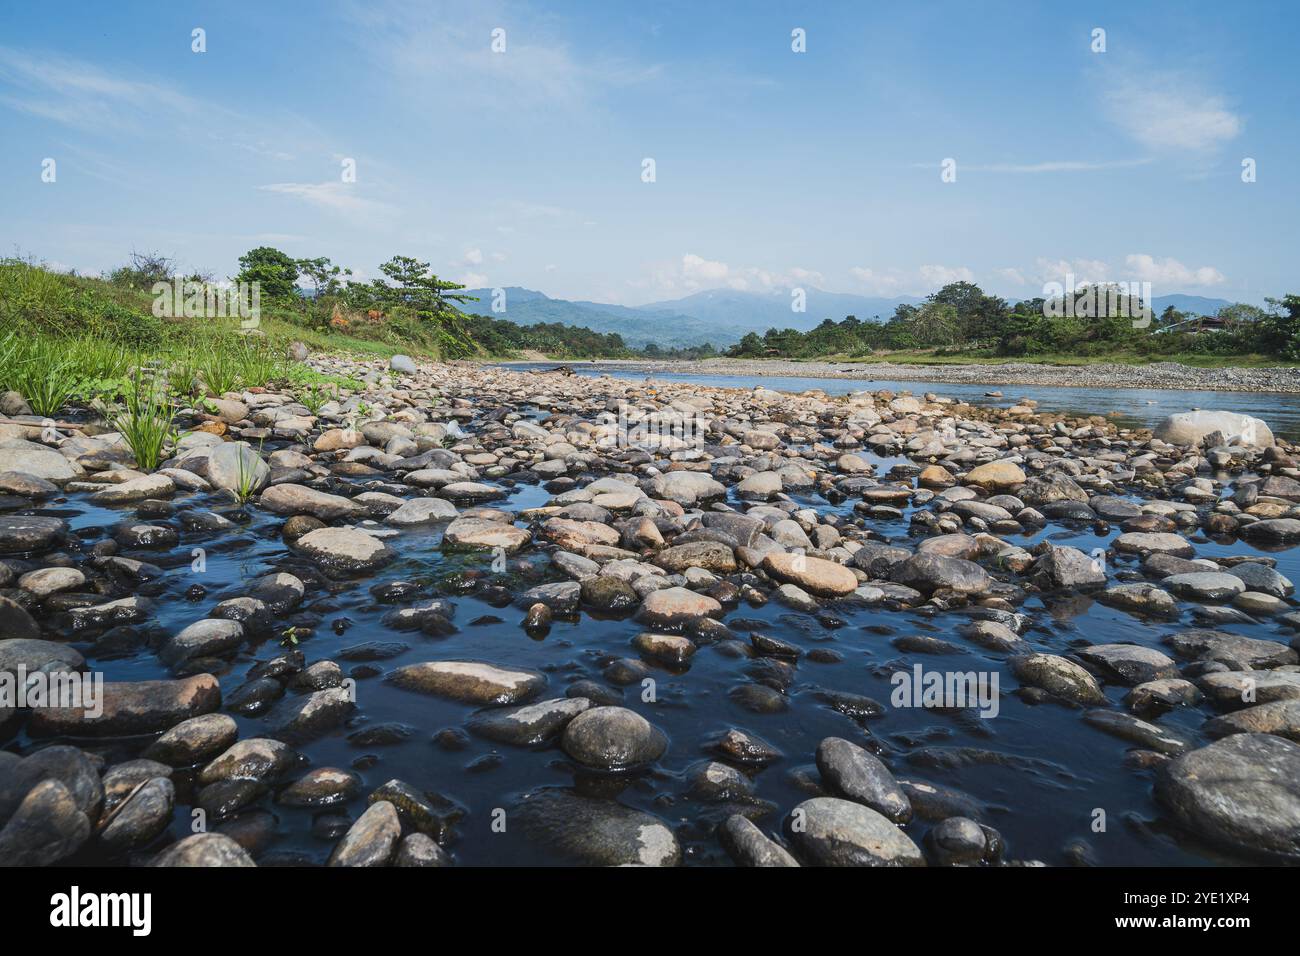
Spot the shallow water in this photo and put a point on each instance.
(1062, 770)
(1141, 407)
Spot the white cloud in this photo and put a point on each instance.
(886, 283)
(699, 270)
(1012, 275)
(1170, 112)
(1170, 272)
(1089, 271)
(472, 280)
(938, 276)
(336, 196)
(473, 257)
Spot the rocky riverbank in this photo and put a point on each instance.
(470, 615)
(1157, 375)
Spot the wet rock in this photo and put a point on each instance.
(1062, 567)
(49, 581)
(345, 549)
(612, 738)
(321, 787)
(428, 813)
(141, 817)
(998, 475)
(604, 592)
(1139, 598)
(479, 534)
(1157, 696)
(17, 624)
(828, 831)
(39, 461)
(194, 740)
(1261, 578)
(27, 486)
(1272, 530)
(1234, 689)
(254, 758)
(418, 849)
(928, 572)
(816, 575)
(1242, 792)
(1280, 717)
(1057, 676)
(759, 699)
(1127, 727)
(279, 592)
(1205, 586)
(1239, 653)
(672, 650)
(850, 772)
(46, 827)
(372, 840)
(254, 697)
(994, 636)
(596, 832)
(675, 607)
(747, 845)
(28, 534)
(746, 749)
(131, 709)
(471, 682)
(422, 511)
(205, 850)
(932, 802)
(156, 537)
(1137, 542)
(34, 655)
(300, 719)
(206, 638)
(1129, 663)
(959, 841)
(710, 555)
(291, 499)
(530, 725)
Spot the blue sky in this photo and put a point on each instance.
(772, 168)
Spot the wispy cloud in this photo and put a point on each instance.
(445, 52)
(81, 94)
(1048, 166)
(1169, 111)
(335, 196)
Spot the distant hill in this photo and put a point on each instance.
(759, 311)
(637, 326)
(1192, 304)
(722, 316)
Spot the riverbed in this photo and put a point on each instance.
(1037, 774)
(1129, 405)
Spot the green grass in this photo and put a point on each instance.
(146, 420)
(67, 338)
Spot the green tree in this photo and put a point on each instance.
(326, 278)
(415, 287)
(274, 270)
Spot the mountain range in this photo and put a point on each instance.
(722, 316)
